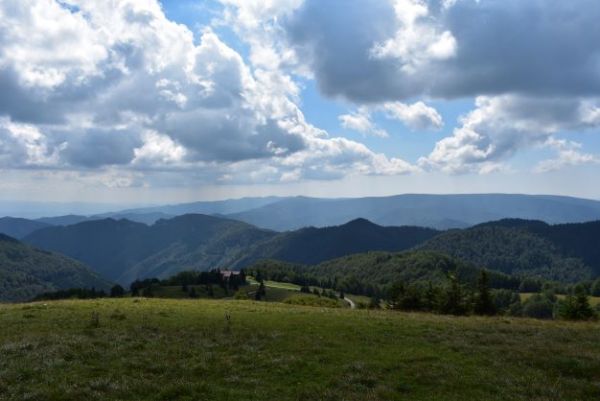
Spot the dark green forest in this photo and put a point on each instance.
(26, 272)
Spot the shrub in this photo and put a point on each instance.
(117, 291)
(538, 306)
(505, 300)
(576, 306)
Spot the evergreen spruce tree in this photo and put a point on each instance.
(453, 302)
(484, 305)
(261, 292)
(395, 295)
(117, 291)
(576, 306)
(430, 298)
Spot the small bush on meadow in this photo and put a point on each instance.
(539, 306)
(576, 306)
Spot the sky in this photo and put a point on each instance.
(147, 101)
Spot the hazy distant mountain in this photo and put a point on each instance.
(108, 246)
(148, 218)
(123, 250)
(195, 242)
(436, 211)
(221, 207)
(26, 272)
(66, 220)
(314, 245)
(38, 209)
(18, 227)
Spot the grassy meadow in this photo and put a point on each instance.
(168, 349)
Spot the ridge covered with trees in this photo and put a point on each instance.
(26, 272)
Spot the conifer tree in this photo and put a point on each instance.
(484, 304)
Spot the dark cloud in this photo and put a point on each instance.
(336, 40)
(502, 46)
(209, 136)
(527, 47)
(98, 147)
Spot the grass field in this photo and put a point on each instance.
(280, 292)
(165, 349)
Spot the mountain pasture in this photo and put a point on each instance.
(158, 349)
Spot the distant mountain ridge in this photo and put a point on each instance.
(18, 228)
(220, 207)
(435, 211)
(123, 251)
(314, 245)
(291, 213)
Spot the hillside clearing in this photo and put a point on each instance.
(594, 301)
(158, 349)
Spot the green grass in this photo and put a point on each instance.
(313, 300)
(285, 286)
(279, 292)
(165, 349)
(359, 299)
(593, 300)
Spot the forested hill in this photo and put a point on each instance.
(19, 228)
(374, 272)
(314, 245)
(26, 272)
(579, 240)
(563, 252)
(123, 250)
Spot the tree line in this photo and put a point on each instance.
(456, 298)
(187, 280)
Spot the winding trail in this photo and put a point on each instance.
(294, 287)
(351, 302)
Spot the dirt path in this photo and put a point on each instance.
(350, 302)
